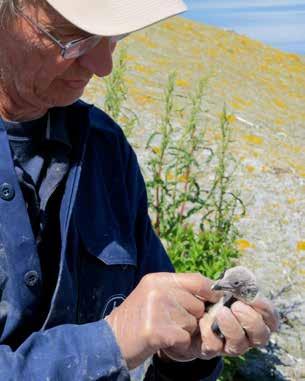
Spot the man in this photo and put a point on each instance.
(87, 290)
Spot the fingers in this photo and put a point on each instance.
(177, 306)
(252, 322)
(192, 305)
(197, 284)
(183, 351)
(175, 337)
(183, 319)
(268, 311)
(241, 326)
(211, 345)
(236, 341)
(185, 309)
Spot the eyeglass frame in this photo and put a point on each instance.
(66, 47)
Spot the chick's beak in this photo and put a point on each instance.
(221, 285)
(216, 287)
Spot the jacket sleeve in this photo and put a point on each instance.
(152, 257)
(67, 352)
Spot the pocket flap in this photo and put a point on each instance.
(115, 254)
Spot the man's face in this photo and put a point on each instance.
(34, 75)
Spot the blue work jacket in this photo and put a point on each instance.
(107, 245)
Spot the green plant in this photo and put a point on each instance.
(203, 251)
(177, 199)
(224, 201)
(231, 367)
(116, 89)
(116, 94)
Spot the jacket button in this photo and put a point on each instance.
(7, 192)
(31, 278)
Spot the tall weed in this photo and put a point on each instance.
(116, 95)
(196, 224)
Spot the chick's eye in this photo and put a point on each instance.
(236, 283)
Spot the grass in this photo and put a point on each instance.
(196, 224)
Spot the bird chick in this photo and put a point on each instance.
(240, 282)
(237, 283)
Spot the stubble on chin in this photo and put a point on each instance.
(59, 95)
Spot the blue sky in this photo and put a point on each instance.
(280, 23)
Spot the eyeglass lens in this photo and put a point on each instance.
(78, 48)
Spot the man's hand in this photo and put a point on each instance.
(249, 321)
(243, 327)
(162, 312)
(165, 314)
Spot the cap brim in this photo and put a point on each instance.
(115, 17)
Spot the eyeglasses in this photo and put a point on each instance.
(75, 48)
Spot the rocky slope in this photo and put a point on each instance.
(264, 89)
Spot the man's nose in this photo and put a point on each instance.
(99, 59)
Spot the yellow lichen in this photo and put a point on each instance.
(254, 139)
(143, 69)
(250, 168)
(301, 245)
(182, 83)
(170, 176)
(130, 57)
(156, 150)
(279, 121)
(183, 179)
(291, 200)
(243, 244)
(231, 118)
(280, 103)
(287, 263)
(140, 98)
(146, 41)
(161, 61)
(301, 271)
(238, 102)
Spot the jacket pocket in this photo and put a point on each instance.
(106, 279)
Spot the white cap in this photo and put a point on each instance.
(115, 17)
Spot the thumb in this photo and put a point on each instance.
(268, 311)
(198, 285)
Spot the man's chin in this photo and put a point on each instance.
(69, 100)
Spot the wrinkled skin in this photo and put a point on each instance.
(33, 75)
(165, 314)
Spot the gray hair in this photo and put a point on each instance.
(7, 10)
(8, 7)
